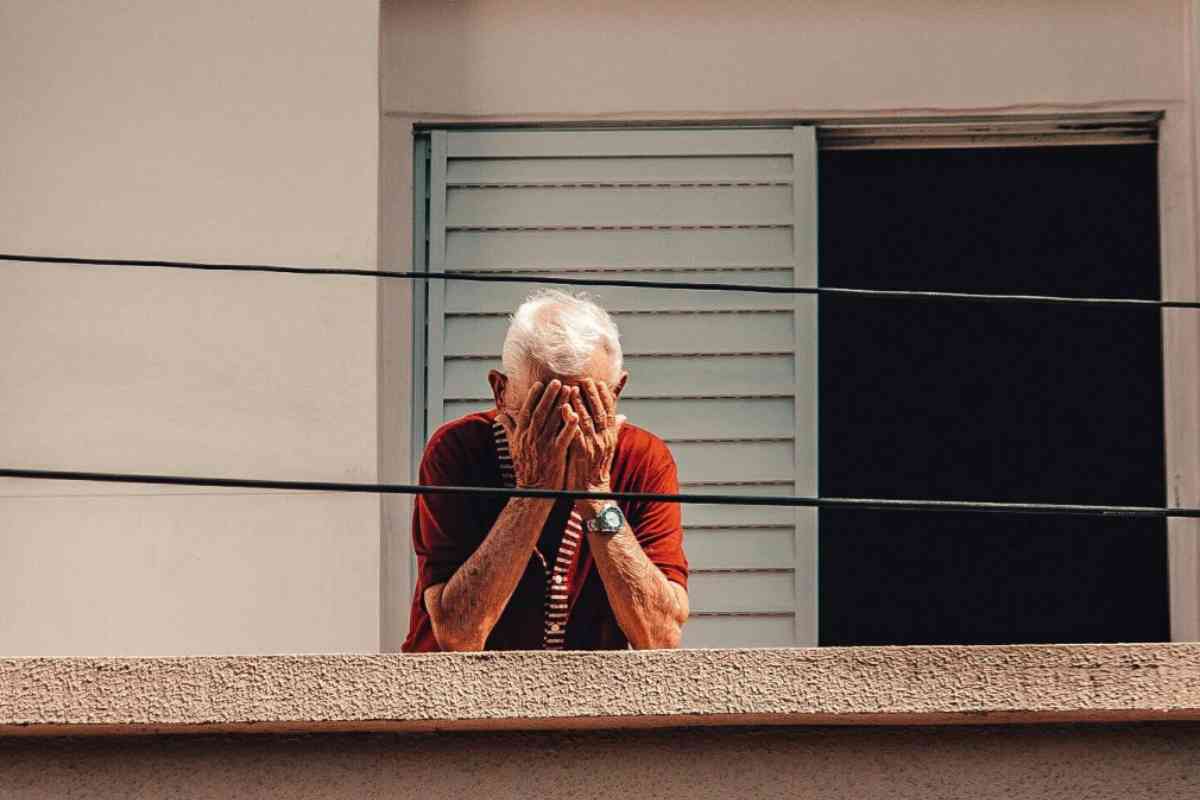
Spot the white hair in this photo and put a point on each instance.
(559, 333)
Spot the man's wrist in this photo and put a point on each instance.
(590, 508)
(538, 503)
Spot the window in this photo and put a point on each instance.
(1008, 402)
(731, 380)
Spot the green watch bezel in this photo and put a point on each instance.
(609, 521)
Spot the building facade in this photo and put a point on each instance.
(271, 133)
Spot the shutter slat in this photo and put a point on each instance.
(502, 298)
(473, 250)
(638, 143)
(469, 171)
(607, 206)
(697, 514)
(711, 333)
(735, 461)
(739, 548)
(748, 631)
(749, 592)
(717, 419)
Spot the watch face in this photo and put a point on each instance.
(611, 519)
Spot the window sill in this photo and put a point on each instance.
(531, 691)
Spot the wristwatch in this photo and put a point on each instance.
(609, 521)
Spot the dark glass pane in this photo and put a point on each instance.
(1011, 402)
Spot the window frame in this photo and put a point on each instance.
(1168, 129)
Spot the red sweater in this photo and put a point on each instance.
(448, 528)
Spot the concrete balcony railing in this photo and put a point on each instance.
(530, 691)
(715, 724)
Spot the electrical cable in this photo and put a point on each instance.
(485, 277)
(712, 499)
(847, 503)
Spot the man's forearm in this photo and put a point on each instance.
(466, 608)
(650, 609)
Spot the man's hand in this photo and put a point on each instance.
(591, 454)
(649, 608)
(540, 435)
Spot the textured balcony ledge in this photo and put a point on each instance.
(528, 691)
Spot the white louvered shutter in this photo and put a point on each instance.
(727, 379)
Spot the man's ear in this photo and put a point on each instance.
(498, 381)
(620, 384)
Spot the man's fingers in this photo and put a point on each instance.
(565, 413)
(506, 422)
(531, 400)
(569, 430)
(585, 419)
(545, 405)
(595, 404)
(610, 404)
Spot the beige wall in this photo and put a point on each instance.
(1120, 762)
(219, 131)
(706, 57)
(250, 131)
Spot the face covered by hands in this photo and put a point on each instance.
(590, 456)
(565, 433)
(540, 435)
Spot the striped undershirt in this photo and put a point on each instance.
(558, 577)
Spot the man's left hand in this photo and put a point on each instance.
(590, 457)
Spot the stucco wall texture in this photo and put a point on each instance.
(531, 690)
(302, 706)
(1095, 762)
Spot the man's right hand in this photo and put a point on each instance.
(540, 435)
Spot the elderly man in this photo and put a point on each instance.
(531, 573)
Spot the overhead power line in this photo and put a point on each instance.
(702, 286)
(847, 503)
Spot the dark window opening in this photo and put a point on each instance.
(1005, 402)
